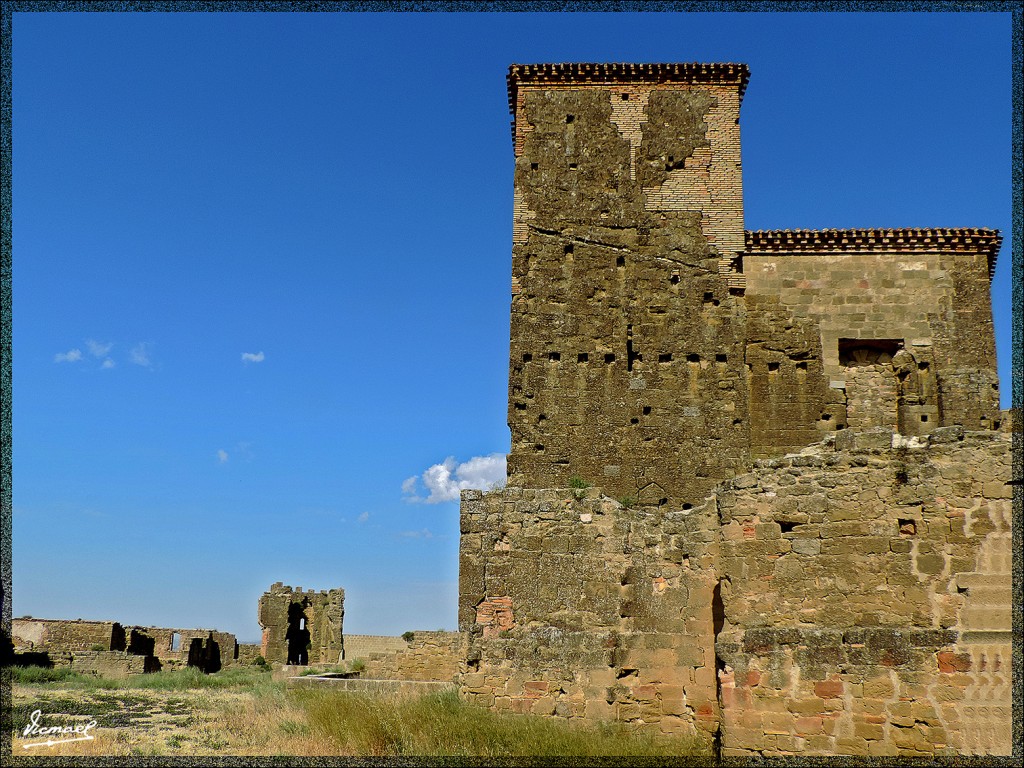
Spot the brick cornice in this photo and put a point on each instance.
(615, 73)
(905, 240)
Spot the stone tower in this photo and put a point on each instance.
(302, 626)
(626, 361)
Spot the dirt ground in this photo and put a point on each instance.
(159, 722)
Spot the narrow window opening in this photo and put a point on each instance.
(647, 410)
(709, 297)
(665, 357)
(554, 356)
(634, 421)
(582, 357)
(538, 447)
(609, 357)
(773, 367)
(801, 366)
(662, 502)
(922, 366)
(924, 417)
(533, 166)
(786, 527)
(527, 357)
(693, 358)
(570, 118)
(520, 406)
(721, 358)
(625, 97)
(175, 641)
(567, 249)
(674, 279)
(620, 261)
(542, 417)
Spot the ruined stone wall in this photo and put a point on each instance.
(867, 599)
(429, 656)
(115, 664)
(60, 635)
(576, 606)
(927, 291)
(248, 653)
(625, 190)
(361, 646)
(302, 626)
(173, 647)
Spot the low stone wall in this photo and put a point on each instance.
(361, 646)
(116, 664)
(248, 653)
(429, 656)
(371, 686)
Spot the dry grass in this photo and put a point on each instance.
(248, 715)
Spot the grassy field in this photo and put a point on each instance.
(240, 711)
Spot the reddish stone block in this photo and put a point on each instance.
(809, 725)
(753, 677)
(953, 662)
(534, 689)
(829, 689)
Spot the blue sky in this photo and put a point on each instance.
(261, 271)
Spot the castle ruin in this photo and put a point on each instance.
(759, 481)
(302, 626)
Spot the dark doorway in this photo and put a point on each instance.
(140, 644)
(298, 635)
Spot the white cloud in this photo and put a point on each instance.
(363, 517)
(96, 349)
(71, 356)
(423, 534)
(252, 357)
(140, 354)
(108, 363)
(444, 481)
(222, 456)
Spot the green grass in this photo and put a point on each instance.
(186, 679)
(442, 724)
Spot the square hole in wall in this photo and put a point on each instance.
(554, 356)
(570, 118)
(720, 358)
(665, 357)
(610, 357)
(625, 97)
(647, 410)
(527, 357)
(801, 365)
(693, 358)
(534, 166)
(582, 357)
(907, 527)
(773, 367)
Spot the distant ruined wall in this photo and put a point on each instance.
(429, 656)
(40, 634)
(302, 626)
(161, 647)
